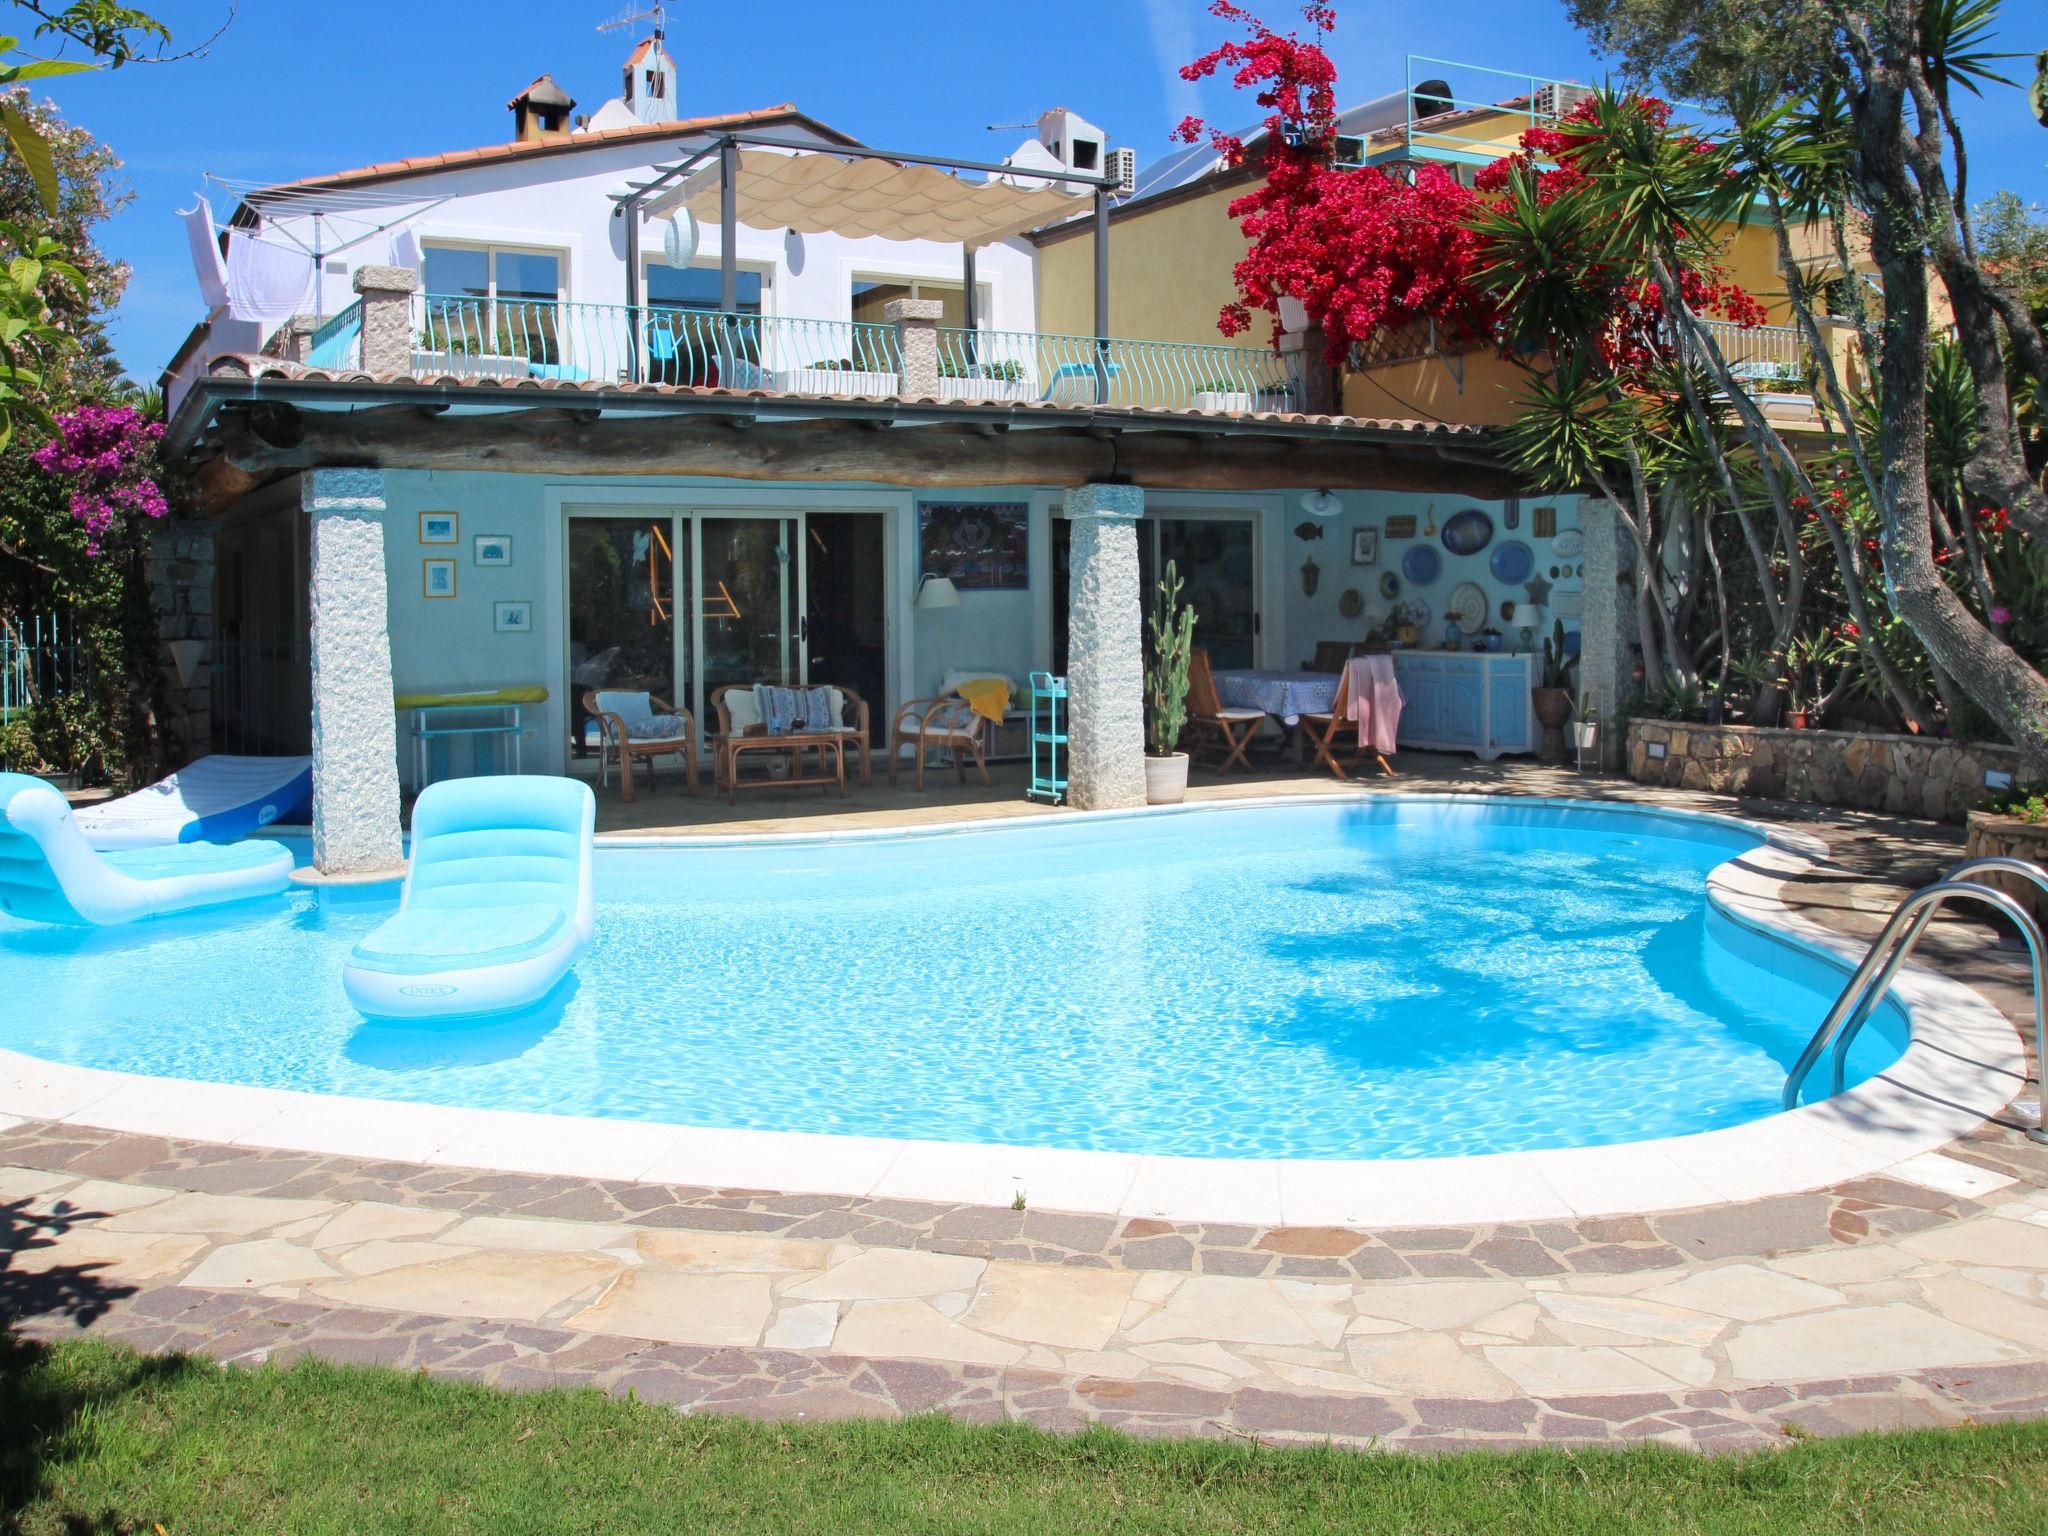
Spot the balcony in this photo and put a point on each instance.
(470, 338)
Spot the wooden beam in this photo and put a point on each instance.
(944, 455)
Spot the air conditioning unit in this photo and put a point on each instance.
(1123, 165)
(1348, 150)
(1558, 98)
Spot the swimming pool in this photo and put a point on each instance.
(1390, 978)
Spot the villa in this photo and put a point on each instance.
(672, 403)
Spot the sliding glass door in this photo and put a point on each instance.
(678, 606)
(1216, 557)
(623, 631)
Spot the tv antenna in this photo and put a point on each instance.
(627, 17)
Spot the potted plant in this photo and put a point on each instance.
(1802, 680)
(1223, 394)
(1166, 693)
(1585, 723)
(1553, 696)
(1584, 726)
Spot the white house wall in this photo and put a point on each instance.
(562, 202)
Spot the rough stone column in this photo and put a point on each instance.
(917, 345)
(1318, 380)
(1106, 650)
(1607, 628)
(180, 568)
(387, 317)
(355, 735)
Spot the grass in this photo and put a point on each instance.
(94, 1437)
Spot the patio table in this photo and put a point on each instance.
(1286, 696)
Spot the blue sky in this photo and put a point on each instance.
(295, 88)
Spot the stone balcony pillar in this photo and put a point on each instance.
(917, 345)
(293, 341)
(355, 734)
(1106, 650)
(387, 317)
(1316, 390)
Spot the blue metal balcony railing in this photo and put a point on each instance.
(338, 343)
(1141, 375)
(469, 337)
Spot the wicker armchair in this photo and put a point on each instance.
(937, 722)
(615, 711)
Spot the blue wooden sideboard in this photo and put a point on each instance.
(1467, 701)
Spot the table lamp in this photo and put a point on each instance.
(1525, 617)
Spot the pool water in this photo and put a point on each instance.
(1396, 978)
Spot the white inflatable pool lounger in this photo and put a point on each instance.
(214, 800)
(497, 906)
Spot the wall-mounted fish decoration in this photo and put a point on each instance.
(1306, 530)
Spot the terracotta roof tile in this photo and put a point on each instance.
(261, 367)
(418, 165)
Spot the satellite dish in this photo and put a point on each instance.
(1321, 504)
(679, 240)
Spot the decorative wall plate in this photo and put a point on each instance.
(1467, 606)
(1570, 544)
(1390, 584)
(1351, 604)
(1511, 562)
(1422, 565)
(1467, 532)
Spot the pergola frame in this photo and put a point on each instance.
(726, 147)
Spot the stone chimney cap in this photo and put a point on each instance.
(543, 93)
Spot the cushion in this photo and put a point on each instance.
(745, 711)
(627, 706)
(657, 728)
(956, 676)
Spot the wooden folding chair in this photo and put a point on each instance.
(1335, 739)
(1233, 728)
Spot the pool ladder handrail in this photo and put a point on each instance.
(1895, 944)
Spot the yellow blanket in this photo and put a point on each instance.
(988, 697)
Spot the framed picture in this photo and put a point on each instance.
(440, 527)
(983, 545)
(492, 549)
(512, 618)
(1401, 526)
(1365, 546)
(437, 578)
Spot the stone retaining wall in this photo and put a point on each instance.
(2009, 837)
(1902, 775)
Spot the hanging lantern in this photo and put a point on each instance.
(679, 240)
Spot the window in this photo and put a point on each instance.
(870, 294)
(493, 300)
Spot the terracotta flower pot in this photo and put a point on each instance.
(1553, 709)
(1797, 720)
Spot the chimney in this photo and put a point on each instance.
(541, 111)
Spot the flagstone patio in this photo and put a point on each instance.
(1919, 1297)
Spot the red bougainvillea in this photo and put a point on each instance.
(1366, 249)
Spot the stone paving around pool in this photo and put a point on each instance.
(1916, 1299)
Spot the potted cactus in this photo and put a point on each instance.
(1585, 723)
(1166, 693)
(1553, 696)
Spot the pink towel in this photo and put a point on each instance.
(1369, 694)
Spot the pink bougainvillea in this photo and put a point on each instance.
(108, 453)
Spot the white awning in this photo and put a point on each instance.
(820, 194)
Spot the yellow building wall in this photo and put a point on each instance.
(1169, 274)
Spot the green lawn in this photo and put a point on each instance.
(97, 1438)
